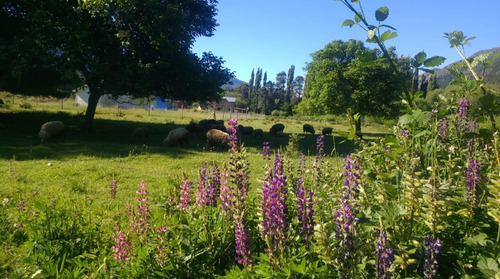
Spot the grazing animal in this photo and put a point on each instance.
(219, 127)
(245, 130)
(327, 131)
(308, 128)
(194, 128)
(205, 123)
(50, 129)
(178, 136)
(217, 138)
(141, 134)
(276, 128)
(258, 132)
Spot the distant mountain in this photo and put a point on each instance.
(491, 73)
(233, 84)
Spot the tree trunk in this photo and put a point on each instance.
(86, 126)
(358, 128)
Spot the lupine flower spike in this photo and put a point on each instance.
(385, 255)
(432, 249)
(185, 193)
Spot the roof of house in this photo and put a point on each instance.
(230, 99)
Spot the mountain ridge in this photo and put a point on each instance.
(491, 73)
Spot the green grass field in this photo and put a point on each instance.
(78, 164)
(76, 169)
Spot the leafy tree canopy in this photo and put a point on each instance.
(338, 81)
(137, 48)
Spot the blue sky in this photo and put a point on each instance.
(276, 34)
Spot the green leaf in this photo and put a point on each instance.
(387, 35)
(405, 119)
(357, 18)
(480, 59)
(420, 58)
(480, 239)
(434, 61)
(382, 13)
(348, 22)
(354, 1)
(488, 267)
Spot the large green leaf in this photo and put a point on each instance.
(348, 22)
(480, 59)
(387, 35)
(382, 13)
(434, 61)
(420, 58)
(488, 267)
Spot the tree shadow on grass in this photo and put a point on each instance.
(113, 138)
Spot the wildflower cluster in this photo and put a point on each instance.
(140, 223)
(432, 249)
(266, 150)
(122, 246)
(242, 242)
(213, 187)
(385, 256)
(472, 182)
(201, 195)
(185, 193)
(161, 245)
(274, 209)
(464, 124)
(345, 218)
(239, 175)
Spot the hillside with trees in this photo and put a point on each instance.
(262, 95)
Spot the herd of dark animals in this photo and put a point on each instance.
(215, 131)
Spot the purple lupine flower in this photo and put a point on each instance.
(238, 162)
(274, 209)
(201, 193)
(305, 211)
(185, 193)
(320, 145)
(472, 182)
(345, 217)
(233, 135)
(140, 223)
(242, 243)
(113, 188)
(308, 221)
(432, 249)
(122, 245)
(351, 178)
(266, 150)
(443, 129)
(226, 193)
(463, 108)
(464, 123)
(213, 187)
(385, 256)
